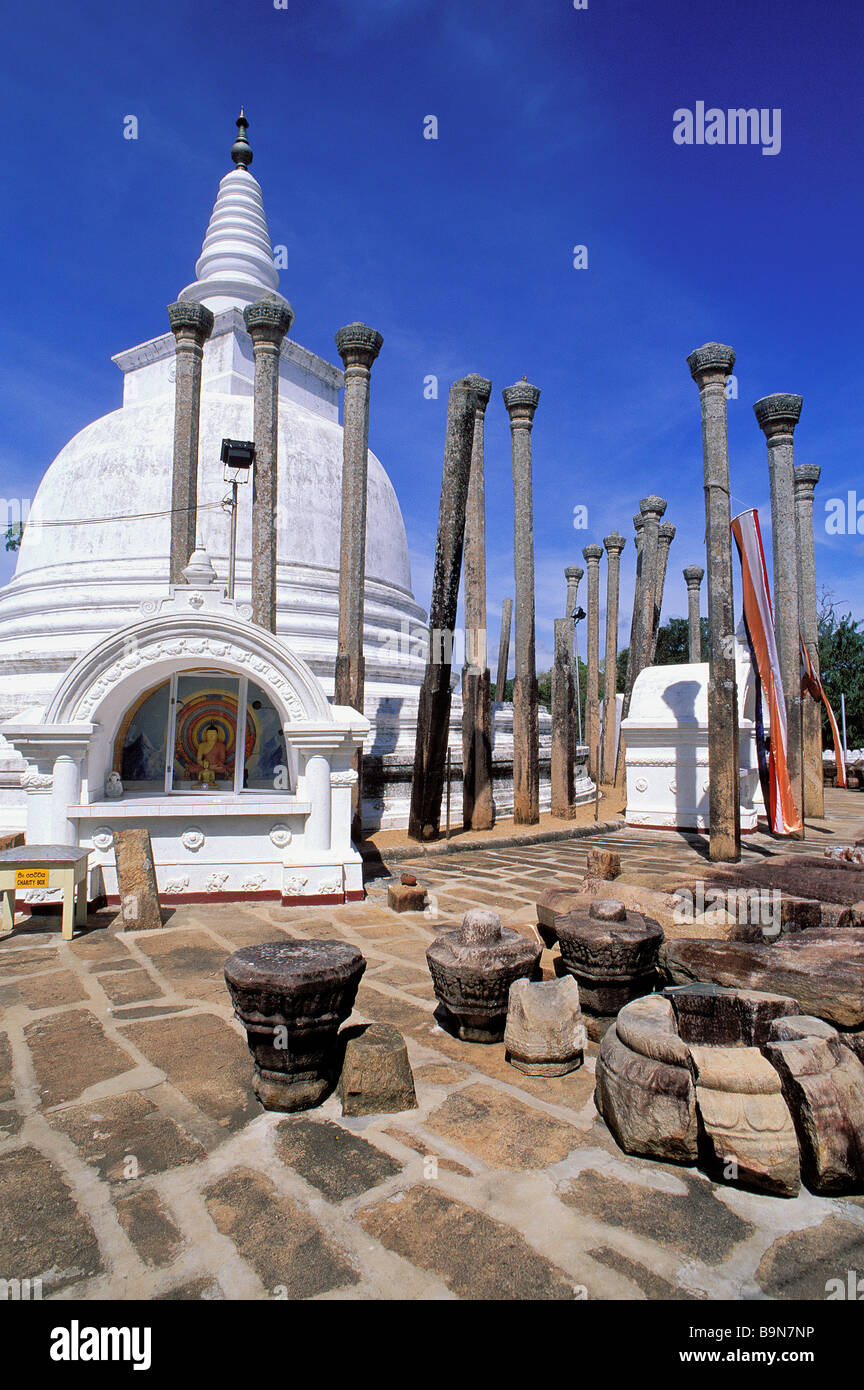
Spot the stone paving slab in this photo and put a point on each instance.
(135, 1159)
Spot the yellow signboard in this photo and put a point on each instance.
(31, 878)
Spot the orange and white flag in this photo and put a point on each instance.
(759, 622)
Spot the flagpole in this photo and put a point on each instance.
(843, 721)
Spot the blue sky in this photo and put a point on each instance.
(555, 129)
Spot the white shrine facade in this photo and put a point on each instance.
(268, 816)
(666, 735)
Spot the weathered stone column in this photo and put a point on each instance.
(633, 650)
(573, 574)
(191, 325)
(665, 536)
(593, 555)
(562, 721)
(267, 321)
(358, 346)
(521, 402)
(807, 476)
(433, 716)
(478, 810)
(638, 525)
(710, 366)
(614, 545)
(653, 508)
(504, 650)
(777, 416)
(693, 576)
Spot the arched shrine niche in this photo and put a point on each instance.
(182, 736)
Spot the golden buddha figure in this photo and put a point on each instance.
(212, 755)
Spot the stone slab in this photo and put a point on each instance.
(43, 1233)
(126, 1137)
(206, 1060)
(335, 1161)
(289, 1251)
(136, 881)
(803, 1264)
(70, 1052)
(149, 1227)
(475, 1256)
(695, 1222)
(501, 1130)
(823, 970)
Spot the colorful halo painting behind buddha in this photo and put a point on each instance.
(206, 736)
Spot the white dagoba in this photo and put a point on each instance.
(95, 551)
(667, 746)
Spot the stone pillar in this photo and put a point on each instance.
(475, 536)
(806, 477)
(504, 650)
(573, 574)
(521, 402)
(562, 721)
(191, 325)
(267, 321)
(358, 346)
(638, 524)
(614, 545)
(777, 416)
(710, 366)
(593, 554)
(652, 508)
(136, 881)
(478, 810)
(693, 576)
(433, 716)
(665, 536)
(633, 650)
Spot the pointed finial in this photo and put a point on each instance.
(241, 150)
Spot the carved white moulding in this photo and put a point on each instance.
(280, 836)
(193, 838)
(293, 886)
(176, 885)
(34, 780)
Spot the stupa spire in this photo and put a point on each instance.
(236, 263)
(241, 150)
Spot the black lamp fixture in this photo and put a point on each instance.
(238, 456)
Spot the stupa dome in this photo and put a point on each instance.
(97, 541)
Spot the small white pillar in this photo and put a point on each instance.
(318, 832)
(67, 792)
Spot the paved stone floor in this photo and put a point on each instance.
(135, 1161)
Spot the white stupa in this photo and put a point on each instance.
(95, 552)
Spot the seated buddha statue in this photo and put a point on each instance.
(212, 752)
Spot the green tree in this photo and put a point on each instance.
(13, 536)
(841, 664)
